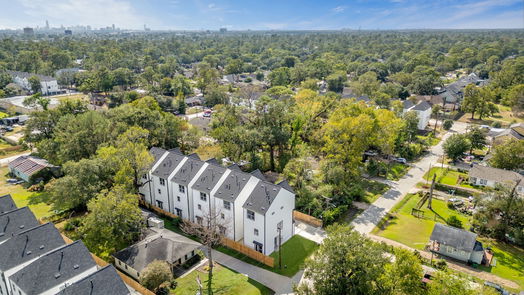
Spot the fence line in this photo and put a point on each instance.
(307, 219)
(267, 260)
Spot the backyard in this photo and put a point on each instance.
(225, 282)
(448, 177)
(413, 231)
(21, 195)
(505, 117)
(509, 261)
(294, 252)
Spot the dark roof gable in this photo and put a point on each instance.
(16, 221)
(7, 204)
(104, 281)
(457, 238)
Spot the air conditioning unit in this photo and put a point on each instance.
(155, 222)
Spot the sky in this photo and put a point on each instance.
(265, 14)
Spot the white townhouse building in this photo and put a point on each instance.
(48, 85)
(268, 216)
(229, 198)
(251, 209)
(423, 111)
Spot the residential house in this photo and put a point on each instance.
(490, 176)
(194, 101)
(16, 221)
(104, 281)
(422, 109)
(24, 248)
(515, 131)
(230, 197)
(193, 187)
(7, 204)
(268, 216)
(203, 188)
(454, 92)
(54, 271)
(31, 168)
(456, 243)
(48, 85)
(15, 120)
(163, 245)
(181, 182)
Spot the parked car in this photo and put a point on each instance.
(207, 113)
(401, 160)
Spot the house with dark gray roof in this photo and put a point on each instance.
(7, 204)
(193, 189)
(54, 271)
(24, 248)
(454, 92)
(456, 243)
(515, 132)
(102, 282)
(161, 244)
(30, 168)
(16, 221)
(492, 177)
(422, 109)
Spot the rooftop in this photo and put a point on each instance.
(168, 165)
(187, 172)
(98, 283)
(209, 178)
(16, 221)
(54, 268)
(232, 185)
(457, 238)
(495, 174)
(7, 204)
(29, 165)
(163, 245)
(261, 197)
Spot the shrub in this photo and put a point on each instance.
(447, 124)
(496, 124)
(441, 264)
(72, 224)
(454, 221)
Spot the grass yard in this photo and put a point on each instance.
(415, 232)
(294, 252)
(447, 176)
(396, 171)
(21, 195)
(373, 190)
(225, 282)
(510, 261)
(505, 117)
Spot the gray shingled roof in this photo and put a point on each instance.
(232, 185)
(165, 245)
(7, 204)
(457, 238)
(284, 184)
(185, 174)
(28, 75)
(407, 104)
(208, 178)
(258, 174)
(157, 152)
(103, 282)
(16, 221)
(168, 165)
(495, 174)
(422, 106)
(54, 268)
(261, 197)
(29, 244)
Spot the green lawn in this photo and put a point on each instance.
(225, 282)
(510, 261)
(396, 171)
(21, 195)
(373, 190)
(294, 252)
(447, 176)
(412, 231)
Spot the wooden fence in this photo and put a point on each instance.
(307, 219)
(269, 261)
(157, 210)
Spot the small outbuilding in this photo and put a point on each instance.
(456, 243)
(30, 168)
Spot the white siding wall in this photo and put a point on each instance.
(175, 194)
(127, 269)
(281, 210)
(423, 118)
(239, 211)
(194, 196)
(160, 193)
(249, 230)
(147, 189)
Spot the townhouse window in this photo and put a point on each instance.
(160, 204)
(181, 188)
(159, 192)
(162, 182)
(178, 198)
(250, 215)
(222, 216)
(227, 205)
(222, 230)
(483, 181)
(256, 232)
(280, 225)
(199, 220)
(199, 207)
(178, 212)
(144, 176)
(203, 196)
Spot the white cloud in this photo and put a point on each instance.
(96, 13)
(339, 9)
(275, 26)
(211, 6)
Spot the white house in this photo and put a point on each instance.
(423, 111)
(490, 176)
(268, 216)
(229, 199)
(24, 248)
(53, 271)
(48, 85)
(456, 243)
(189, 187)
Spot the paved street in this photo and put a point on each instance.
(365, 222)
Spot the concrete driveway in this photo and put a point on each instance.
(367, 220)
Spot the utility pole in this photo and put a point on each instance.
(431, 190)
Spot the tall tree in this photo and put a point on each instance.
(508, 155)
(456, 145)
